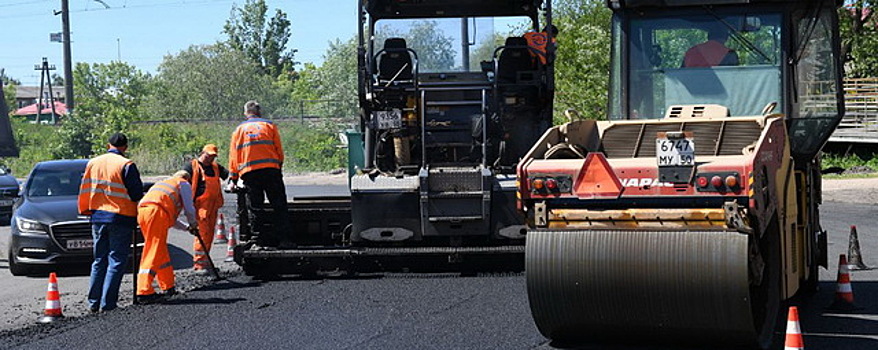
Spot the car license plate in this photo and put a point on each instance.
(79, 244)
(5, 202)
(391, 119)
(675, 149)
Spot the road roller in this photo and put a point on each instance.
(690, 212)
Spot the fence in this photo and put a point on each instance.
(860, 121)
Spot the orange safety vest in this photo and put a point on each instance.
(255, 145)
(103, 188)
(706, 54)
(212, 198)
(166, 194)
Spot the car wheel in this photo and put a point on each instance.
(15, 268)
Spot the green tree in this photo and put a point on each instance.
(337, 78)
(208, 82)
(9, 89)
(108, 100)
(859, 34)
(262, 41)
(434, 48)
(582, 65)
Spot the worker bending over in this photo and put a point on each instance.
(208, 196)
(256, 156)
(156, 213)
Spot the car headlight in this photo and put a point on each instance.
(30, 226)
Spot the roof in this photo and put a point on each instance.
(60, 109)
(379, 9)
(32, 92)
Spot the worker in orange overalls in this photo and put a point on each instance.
(156, 213)
(256, 156)
(206, 183)
(537, 42)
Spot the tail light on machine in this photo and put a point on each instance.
(718, 182)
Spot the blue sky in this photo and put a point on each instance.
(142, 32)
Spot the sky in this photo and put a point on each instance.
(142, 32)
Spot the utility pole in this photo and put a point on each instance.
(45, 76)
(68, 60)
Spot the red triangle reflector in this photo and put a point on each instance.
(596, 179)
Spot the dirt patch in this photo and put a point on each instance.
(861, 190)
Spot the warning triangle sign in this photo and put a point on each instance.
(596, 179)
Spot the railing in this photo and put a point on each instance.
(860, 121)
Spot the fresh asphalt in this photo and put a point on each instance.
(411, 311)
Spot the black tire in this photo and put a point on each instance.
(766, 298)
(15, 268)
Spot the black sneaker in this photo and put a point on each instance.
(94, 309)
(149, 299)
(171, 291)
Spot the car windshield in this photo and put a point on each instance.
(437, 41)
(730, 59)
(53, 183)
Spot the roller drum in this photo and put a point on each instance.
(635, 286)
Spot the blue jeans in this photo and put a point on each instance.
(112, 243)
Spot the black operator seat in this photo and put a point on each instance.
(514, 58)
(395, 58)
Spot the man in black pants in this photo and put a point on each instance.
(256, 156)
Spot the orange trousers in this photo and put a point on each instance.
(206, 225)
(155, 262)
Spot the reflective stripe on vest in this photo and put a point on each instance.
(254, 143)
(166, 194)
(255, 162)
(256, 147)
(103, 187)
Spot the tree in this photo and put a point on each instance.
(265, 43)
(582, 65)
(208, 82)
(9, 89)
(434, 48)
(336, 79)
(108, 100)
(859, 34)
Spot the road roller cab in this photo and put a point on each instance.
(691, 212)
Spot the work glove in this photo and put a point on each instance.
(231, 187)
(193, 230)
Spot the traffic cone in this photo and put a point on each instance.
(220, 236)
(856, 262)
(794, 333)
(53, 301)
(844, 295)
(230, 251)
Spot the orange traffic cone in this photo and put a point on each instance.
(844, 295)
(794, 333)
(53, 301)
(220, 236)
(230, 251)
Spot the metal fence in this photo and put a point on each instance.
(860, 121)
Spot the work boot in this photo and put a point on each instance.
(149, 299)
(170, 291)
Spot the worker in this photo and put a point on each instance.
(712, 52)
(108, 193)
(207, 176)
(537, 41)
(156, 214)
(256, 157)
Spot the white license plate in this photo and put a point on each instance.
(675, 151)
(389, 119)
(5, 202)
(79, 244)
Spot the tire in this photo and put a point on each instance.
(15, 268)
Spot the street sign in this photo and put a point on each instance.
(55, 37)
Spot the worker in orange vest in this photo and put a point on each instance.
(712, 52)
(207, 176)
(256, 156)
(537, 42)
(108, 193)
(156, 214)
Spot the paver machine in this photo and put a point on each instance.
(690, 214)
(451, 96)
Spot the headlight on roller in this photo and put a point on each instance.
(30, 226)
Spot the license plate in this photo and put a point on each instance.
(391, 119)
(675, 149)
(5, 202)
(79, 244)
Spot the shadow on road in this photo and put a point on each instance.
(195, 301)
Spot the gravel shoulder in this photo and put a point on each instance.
(858, 190)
